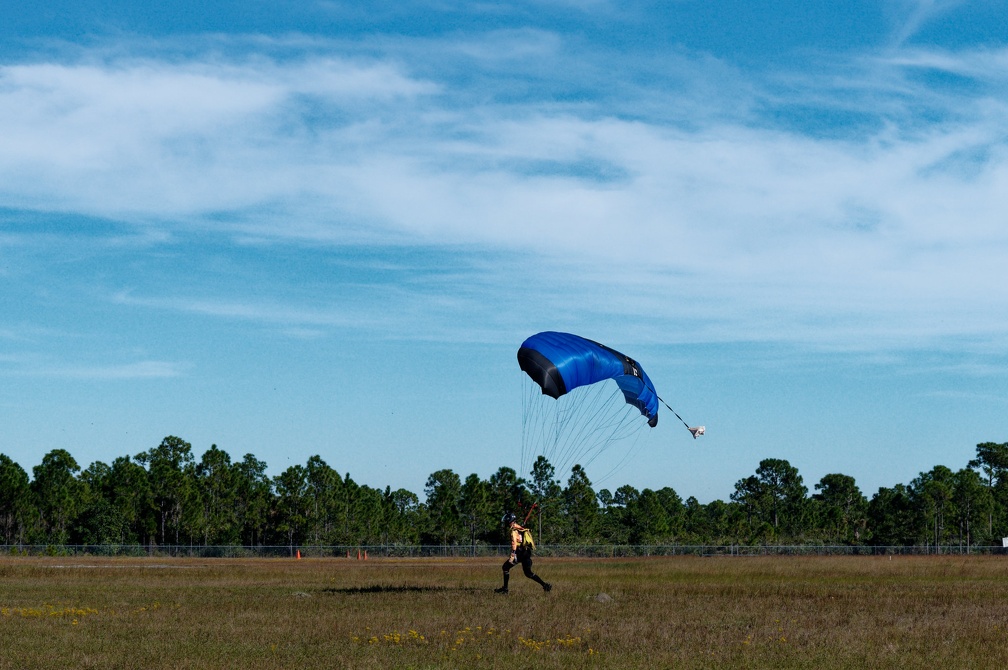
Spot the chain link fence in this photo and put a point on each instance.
(355, 552)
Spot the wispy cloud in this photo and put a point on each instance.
(137, 370)
(745, 219)
(914, 14)
(982, 65)
(154, 139)
(34, 366)
(264, 311)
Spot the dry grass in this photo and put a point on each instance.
(672, 612)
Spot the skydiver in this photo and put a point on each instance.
(521, 552)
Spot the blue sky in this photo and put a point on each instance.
(325, 228)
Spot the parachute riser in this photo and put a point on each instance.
(529, 515)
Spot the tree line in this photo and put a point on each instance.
(165, 496)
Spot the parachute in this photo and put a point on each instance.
(561, 362)
(571, 414)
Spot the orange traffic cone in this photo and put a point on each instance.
(365, 554)
(299, 554)
(358, 554)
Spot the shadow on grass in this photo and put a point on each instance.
(385, 588)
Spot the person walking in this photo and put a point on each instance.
(521, 552)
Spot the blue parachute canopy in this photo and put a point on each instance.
(561, 362)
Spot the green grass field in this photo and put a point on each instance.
(682, 612)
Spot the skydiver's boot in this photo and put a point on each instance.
(503, 589)
(546, 587)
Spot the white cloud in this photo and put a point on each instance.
(759, 224)
(159, 139)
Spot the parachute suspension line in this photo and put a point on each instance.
(537, 427)
(575, 428)
(533, 424)
(577, 420)
(528, 423)
(694, 430)
(638, 443)
(574, 425)
(622, 421)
